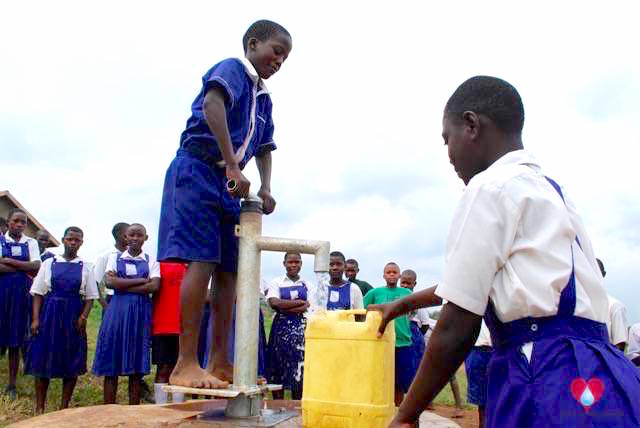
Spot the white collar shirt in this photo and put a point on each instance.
(101, 267)
(282, 282)
(633, 350)
(511, 240)
(617, 321)
(42, 282)
(34, 250)
(154, 266)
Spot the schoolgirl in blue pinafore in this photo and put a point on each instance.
(124, 340)
(285, 351)
(15, 311)
(574, 378)
(59, 350)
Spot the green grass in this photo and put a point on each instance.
(88, 391)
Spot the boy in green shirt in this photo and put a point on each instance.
(406, 366)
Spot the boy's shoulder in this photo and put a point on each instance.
(228, 65)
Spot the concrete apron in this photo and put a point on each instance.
(184, 415)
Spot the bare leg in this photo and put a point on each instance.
(278, 395)
(110, 389)
(481, 416)
(222, 301)
(456, 391)
(134, 389)
(68, 385)
(399, 396)
(14, 364)
(42, 384)
(163, 372)
(193, 292)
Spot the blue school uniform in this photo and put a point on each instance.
(575, 377)
(46, 255)
(124, 340)
(285, 351)
(339, 297)
(59, 350)
(195, 196)
(15, 308)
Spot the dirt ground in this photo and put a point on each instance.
(466, 418)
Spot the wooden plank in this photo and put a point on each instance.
(223, 393)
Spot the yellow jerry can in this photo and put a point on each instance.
(348, 371)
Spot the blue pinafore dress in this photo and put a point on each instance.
(124, 340)
(339, 297)
(285, 351)
(417, 343)
(60, 350)
(575, 377)
(15, 300)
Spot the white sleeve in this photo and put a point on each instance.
(154, 268)
(274, 289)
(34, 250)
(633, 350)
(42, 282)
(111, 265)
(356, 297)
(100, 268)
(90, 287)
(479, 243)
(619, 324)
(423, 316)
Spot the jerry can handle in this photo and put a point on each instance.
(354, 312)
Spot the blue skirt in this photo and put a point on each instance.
(417, 342)
(406, 367)
(59, 350)
(285, 353)
(548, 390)
(15, 309)
(124, 340)
(476, 366)
(198, 215)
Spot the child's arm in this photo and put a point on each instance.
(112, 281)
(151, 286)
(4, 267)
(290, 306)
(215, 114)
(19, 265)
(422, 299)
(452, 339)
(264, 168)
(35, 314)
(81, 322)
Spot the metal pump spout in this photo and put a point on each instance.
(251, 243)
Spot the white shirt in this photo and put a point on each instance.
(633, 348)
(285, 281)
(42, 282)
(154, 266)
(484, 338)
(421, 316)
(511, 240)
(34, 250)
(101, 268)
(355, 296)
(617, 321)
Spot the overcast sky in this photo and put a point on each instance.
(94, 96)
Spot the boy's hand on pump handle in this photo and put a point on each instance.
(268, 203)
(237, 183)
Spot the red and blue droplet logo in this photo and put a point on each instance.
(586, 392)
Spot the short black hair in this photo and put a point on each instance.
(139, 225)
(117, 228)
(14, 211)
(337, 254)
(492, 97)
(352, 262)
(291, 253)
(262, 30)
(73, 229)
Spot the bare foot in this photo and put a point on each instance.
(223, 371)
(192, 376)
(262, 380)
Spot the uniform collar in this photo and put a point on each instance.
(22, 240)
(253, 74)
(126, 255)
(59, 258)
(517, 157)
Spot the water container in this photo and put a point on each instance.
(348, 371)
